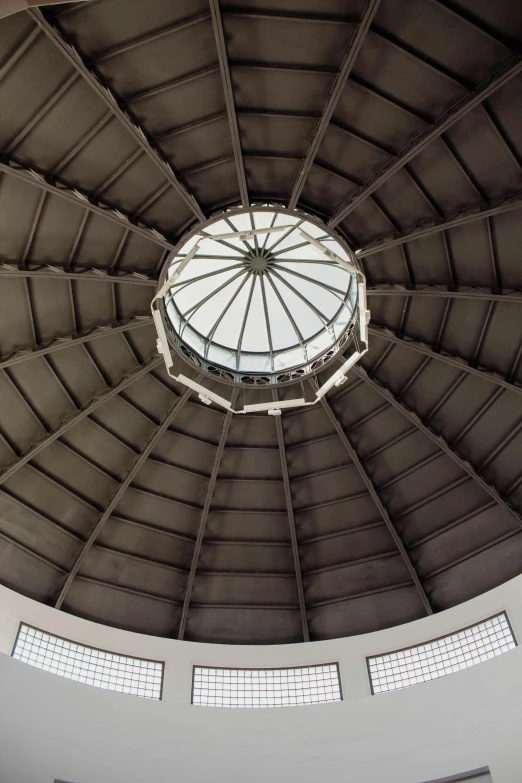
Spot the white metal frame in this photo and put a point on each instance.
(273, 408)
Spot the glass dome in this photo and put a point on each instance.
(263, 298)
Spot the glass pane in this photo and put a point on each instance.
(324, 273)
(282, 330)
(200, 267)
(309, 251)
(229, 328)
(251, 362)
(205, 318)
(307, 321)
(255, 337)
(291, 358)
(326, 302)
(222, 297)
(216, 247)
(191, 295)
(285, 239)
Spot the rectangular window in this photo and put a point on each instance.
(481, 775)
(415, 665)
(266, 687)
(89, 665)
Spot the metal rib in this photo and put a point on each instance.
(135, 321)
(203, 519)
(130, 474)
(104, 91)
(83, 199)
(442, 292)
(105, 394)
(229, 99)
(312, 307)
(432, 226)
(455, 361)
(287, 311)
(345, 440)
(180, 285)
(453, 114)
(19, 52)
(350, 54)
(291, 523)
(190, 312)
(74, 151)
(320, 283)
(91, 275)
(267, 321)
(397, 403)
(157, 35)
(225, 311)
(41, 113)
(244, 321)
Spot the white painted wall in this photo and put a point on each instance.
(51, 727)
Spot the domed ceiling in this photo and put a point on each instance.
(124, 498)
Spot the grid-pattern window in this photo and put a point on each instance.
(446, 655)
(102, 669)
(266, 687)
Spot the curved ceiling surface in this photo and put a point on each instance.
(124, 499)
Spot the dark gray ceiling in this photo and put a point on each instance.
(125, 500)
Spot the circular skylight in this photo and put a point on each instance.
(263, 295)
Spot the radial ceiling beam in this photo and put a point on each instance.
(218, 456)
(90, 275)
(421, 140)
(59, 187)
(70, 421)
(352, 50)
(75, 338)
(130, 474)
(443, 292)
(410, 414)
(292, 525)
(434, 225)
(221, 46)
(453, 361)
(103, 90)
(345, 440)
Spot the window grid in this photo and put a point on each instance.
(262, 688)
(102, 669)
(460, 650)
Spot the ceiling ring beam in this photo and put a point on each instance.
(454, 361)
(152, 92)
(434, 225)
(350, 54)
(345, 440)
(221, 47)
(41, 113)
(292, 524)
(88, 201)
(432, 290)
(151, 37)
(202, 524)
(19, 52)
(131, 472)
(103, 90)
(70, 421)
(421, 140)
(54, 344)
(475, 22)
(466, 466)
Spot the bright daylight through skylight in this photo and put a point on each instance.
(263, 291)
